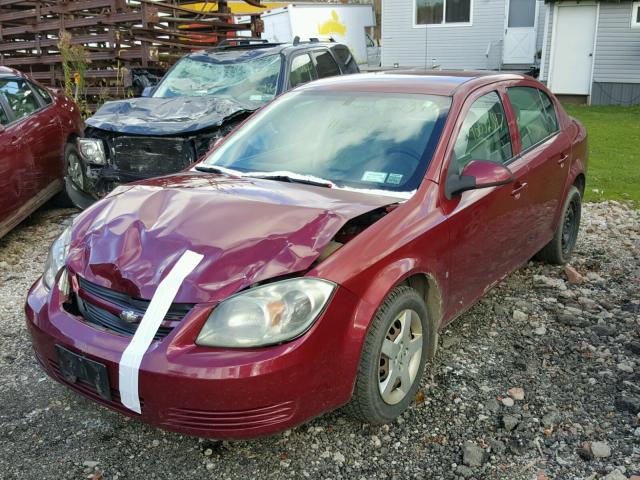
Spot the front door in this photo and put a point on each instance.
(486, 226)
(572, 49)
(520, 32)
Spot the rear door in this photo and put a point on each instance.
(546, 150)
(49, 144)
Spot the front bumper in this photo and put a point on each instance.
(220, 393)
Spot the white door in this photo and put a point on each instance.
(572, 49)
(520, 32)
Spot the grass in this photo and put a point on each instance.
(614, 151)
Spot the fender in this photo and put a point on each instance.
(394, 274)
(579, 162)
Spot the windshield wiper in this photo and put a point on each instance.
(292, 179)
(277, 176)
(214, 169)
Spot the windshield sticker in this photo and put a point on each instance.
(394, 178)
(377, 177)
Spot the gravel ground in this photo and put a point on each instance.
(540, 380)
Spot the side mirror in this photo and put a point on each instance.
(1, 128)
(477, 174)
(147, 91)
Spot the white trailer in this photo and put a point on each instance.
(344, 23)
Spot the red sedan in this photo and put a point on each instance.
(310, 260)
(37, 133)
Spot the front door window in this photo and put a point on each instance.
(484, 134)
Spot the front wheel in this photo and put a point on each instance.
(393, 358)
(72, 172)
(559, 250)
(75, 179)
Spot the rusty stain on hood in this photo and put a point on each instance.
(248, 230)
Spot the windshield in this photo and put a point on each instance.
(251, 81)
(373, 141)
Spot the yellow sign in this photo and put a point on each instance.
(238, 8)
(332, 26)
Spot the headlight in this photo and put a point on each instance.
(92, 150)
(56, 258)
(266, 315)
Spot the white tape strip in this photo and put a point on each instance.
(158, 307)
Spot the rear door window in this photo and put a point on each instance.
(343, 54)
(535, 115)
(325, 64)
(302, 70)
(21, 99)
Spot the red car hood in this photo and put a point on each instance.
(247, 229)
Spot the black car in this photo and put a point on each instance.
(200, 99)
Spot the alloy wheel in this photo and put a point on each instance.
(400, 357)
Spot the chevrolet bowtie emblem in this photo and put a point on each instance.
(128, 316)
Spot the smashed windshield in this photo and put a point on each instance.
(371, 141)
(252, 81)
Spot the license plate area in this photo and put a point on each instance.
(76, 368)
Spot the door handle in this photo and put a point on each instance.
(518, 189)
(15, 141)
(563, 158)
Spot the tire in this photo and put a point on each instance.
(404, 306)
(559, 250)
(75, 181)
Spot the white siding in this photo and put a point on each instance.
(617, 56)
(451, 47)
(542, 14)
(546, 53)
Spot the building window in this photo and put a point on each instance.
(635, 15)
(438, 12)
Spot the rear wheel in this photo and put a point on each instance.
(559, 250)
(393, 358)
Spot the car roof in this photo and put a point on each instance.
(10, 72)
(236, 53)
(412, 81)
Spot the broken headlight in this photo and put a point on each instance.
(266, 315)
(56, 258)
(92, 150)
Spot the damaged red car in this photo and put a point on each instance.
(310, 260)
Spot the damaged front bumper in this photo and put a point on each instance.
(209, 392)
(129, 158)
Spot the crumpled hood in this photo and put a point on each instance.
(247, 229)
(164, 116)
